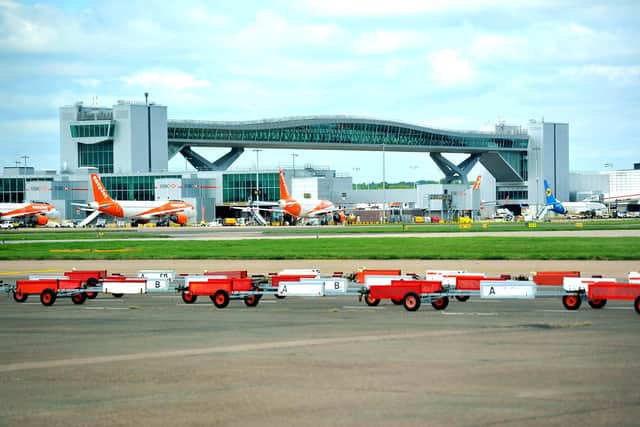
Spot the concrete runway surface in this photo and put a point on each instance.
(152, 360)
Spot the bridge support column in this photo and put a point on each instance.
(202, 164)
(452, 171)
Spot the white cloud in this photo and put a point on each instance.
(623, 75)
(291, 70)
(401, 7)
(488, 47)
(88, 83)
(165, 79)
(448, 68)
(272, 31)
(382, 41)
(29, 127)
(580, 29)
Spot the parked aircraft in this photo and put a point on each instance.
(298, 209)
(29, 214)
(580, 209)
(139, 212)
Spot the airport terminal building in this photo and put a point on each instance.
(130, 145)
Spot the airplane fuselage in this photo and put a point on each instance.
(10, 211)
(584, 208)
(146, 210)
(306, 207)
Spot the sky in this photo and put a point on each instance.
(461, 65)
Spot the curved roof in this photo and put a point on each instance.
(338, 133)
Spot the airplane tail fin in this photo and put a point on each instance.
(476, 184)
(100, 194)
(284, 191)
(550, 198)
(552, 202)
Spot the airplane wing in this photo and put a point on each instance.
(88, 219)
(14, 214)
(160, 212)
(19, 213)
(325, 211)
(90, 208)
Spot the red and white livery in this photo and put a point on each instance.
(139, 212)
(30, 214)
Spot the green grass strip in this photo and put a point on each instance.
(13, 235)
(474, 247)
(455, 228)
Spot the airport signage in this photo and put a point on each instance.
(507, 290)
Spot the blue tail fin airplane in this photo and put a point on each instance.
(581, 209)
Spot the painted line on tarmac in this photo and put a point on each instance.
(106, 308)
(238, 348)
(468, 314)
(619, 308)
(8, 273)
(361, 307)
(559, 311)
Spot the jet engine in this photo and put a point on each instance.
(34, 220)
(179, 218)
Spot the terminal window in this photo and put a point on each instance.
(98, 155)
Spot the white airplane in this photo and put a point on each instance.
(30, 214)
(140, 212)
(299, 209)
(579, 209)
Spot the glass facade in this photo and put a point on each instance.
(98, 155)
(132, 187)
(91, 131)
(512, 195)
(348, 133)
(12, 190)
(518, 161)
(240, 188)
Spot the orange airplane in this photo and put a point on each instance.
(140, 212)
(31, 214)
(298, 209)
(306, 207)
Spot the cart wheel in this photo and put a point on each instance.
(571, 302)
(371, 302)
(251, 300)
(188, 297)
(637, 305)
(462, 298)
(281, 296)
(117, 295)
(597, 303)
(79, 298)
(92, 295)
(220, 299)
(19, 296)
(440, 303)
(411, 302)
(397, 301)
(48, 297)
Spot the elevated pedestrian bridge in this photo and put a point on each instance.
(503, 154)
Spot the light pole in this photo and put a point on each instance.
(24, 171)
(257, 150)
(384, 187)
(293, 161)
(146, 103)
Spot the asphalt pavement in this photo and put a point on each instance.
(153, 360)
